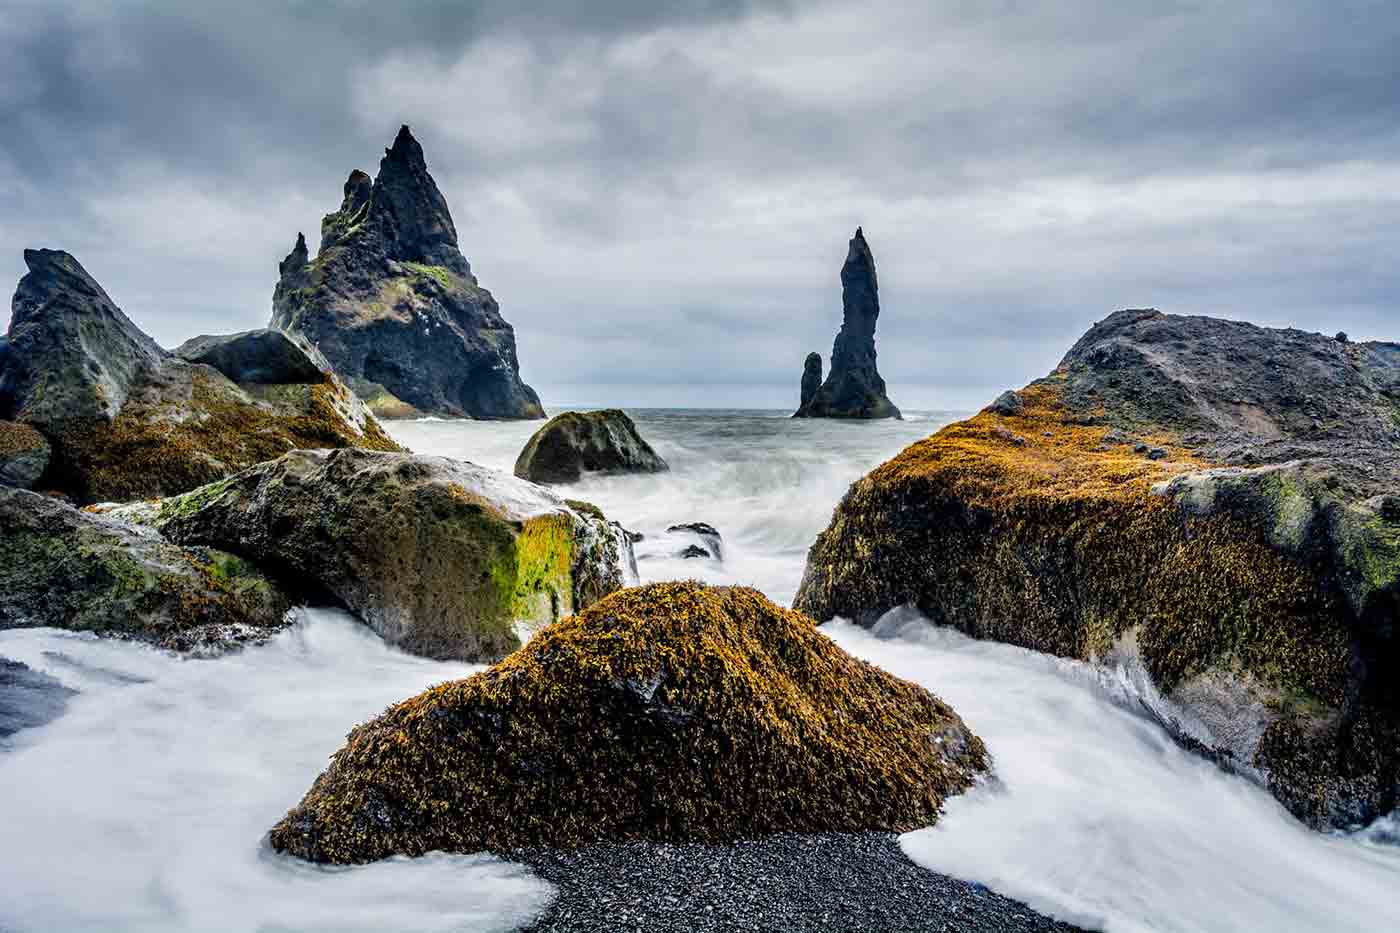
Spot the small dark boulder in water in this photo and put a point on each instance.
(24, 454)
(708, 534)
(578, 442)
(28, 698)
(692, 551)
(672, 711)
(853, 388)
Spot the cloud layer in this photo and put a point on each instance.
(660, 195)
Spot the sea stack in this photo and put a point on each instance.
(853, 388)
(392, 303)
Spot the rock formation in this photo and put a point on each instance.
(441, 557)
(70, 569)
(670, 711)
(1207, 504)
(392, 303)
(127, 420)
(24, 455)
(811, 380)
(578, 442)
(853, 388)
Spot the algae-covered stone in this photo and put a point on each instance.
(71, 569)
(1239, 560)
(126, 420)
(578, 442)
(24, 455)
(671, 711)
(441, 557)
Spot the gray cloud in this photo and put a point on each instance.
(659, 194)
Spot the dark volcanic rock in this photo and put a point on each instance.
(393, 304)
(28, 698)
(788, 882)
(578, 442)
(710, 538)
(441, 557)
(811, 379)
(1008, 403)
(24, 455)
(254, 356)
(71, 569)
(667, 712)
(853, 388)
(1244, 563)
(127, 420)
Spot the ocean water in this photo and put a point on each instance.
(145, 806)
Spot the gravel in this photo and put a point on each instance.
(788, 882)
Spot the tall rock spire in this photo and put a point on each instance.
(853, 388)
(392, 303)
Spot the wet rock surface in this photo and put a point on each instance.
(671, 711)
(24, 455)
(126, 420)
(1205, 498)
(70, 569)
(28, 698)
(441, 557)
(393, 304)
(853, 388)
(253, 356)
(789, 882)
(574, 443)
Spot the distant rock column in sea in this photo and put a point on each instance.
(853, 388)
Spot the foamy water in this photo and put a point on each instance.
(144, 807)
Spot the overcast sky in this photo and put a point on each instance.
(660, 199)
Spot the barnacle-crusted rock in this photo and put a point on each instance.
(854, 387)
(24, 455)
(392, 303)
(577, 442)
(127, 420)
(441, 557)
(671, 711)
(70, 569)
(1239, 561)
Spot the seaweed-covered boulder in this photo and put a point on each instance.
(66, 568)
(577, 442)
(671, 711)
(393, 304)
(444, 558)
(24, 455)
(1206, 505)
(126, 420)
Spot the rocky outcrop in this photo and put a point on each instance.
(578, 442)
(441, 557)
(24, 455)
(853, 388)
(670, 711)
(392, 303)
(258, 357)
(126, 420)
(811, 380)
(1207, 506)
(70, 569)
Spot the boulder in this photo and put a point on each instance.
(670, 712)
(710, 539)
(392, 303)
(24, 455)
(443, 558)
(126, 420)
(1241, 568)
(578, 442)
(853, 388)
(811, 379)
(65, 568)
(1008, 403)
(28, 698)
(261, 357)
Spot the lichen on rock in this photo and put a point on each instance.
(671, 711)
(1240, 545)
(441, 557)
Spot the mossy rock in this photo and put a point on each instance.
(441, 557)
(1252, 578)
(672, 711)
(574, 443)
(24, 455)
(66, 568)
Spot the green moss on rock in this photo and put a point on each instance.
(672, 711)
